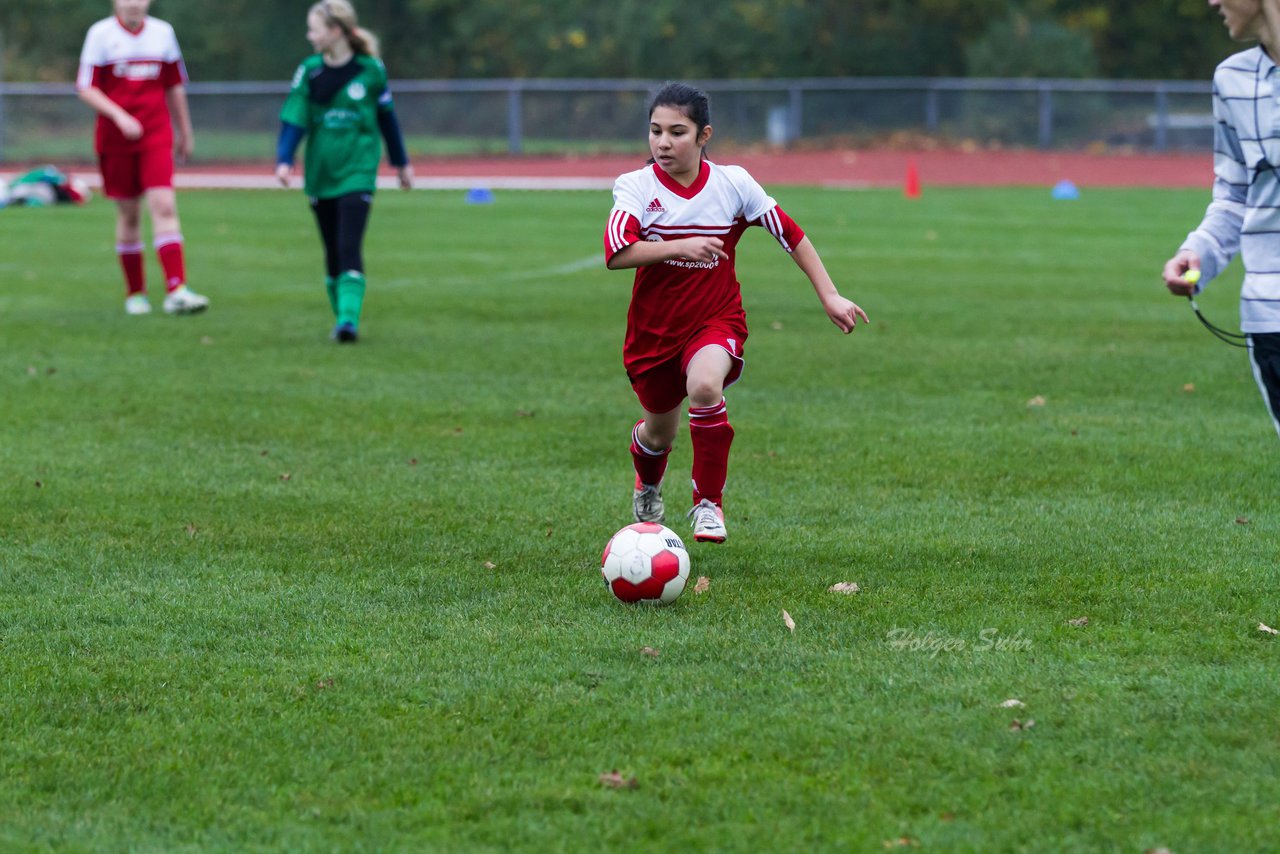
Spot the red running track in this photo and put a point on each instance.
(852, 168)
(948, 168)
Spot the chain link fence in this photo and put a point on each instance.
(239, 121)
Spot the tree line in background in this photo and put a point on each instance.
(657, 39)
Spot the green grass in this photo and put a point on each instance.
(199, 653)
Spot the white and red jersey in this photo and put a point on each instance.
(672, 300)
(134, 69)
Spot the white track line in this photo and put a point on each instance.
(267, 181)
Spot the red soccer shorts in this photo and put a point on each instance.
(665, 386)
(129, 174)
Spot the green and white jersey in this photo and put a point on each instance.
(338, 110)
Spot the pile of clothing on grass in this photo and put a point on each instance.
(44, 186)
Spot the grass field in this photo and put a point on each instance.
(261, 592)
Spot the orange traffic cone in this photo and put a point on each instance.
(911, 188)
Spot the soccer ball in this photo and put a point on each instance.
(645, 562)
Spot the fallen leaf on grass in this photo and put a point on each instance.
(1267, 630)
(50, 371)
(1012, 703)
(264, 453)
(39, 484)
(1038, 400)
(703, 585)
(1158, 851)
(490, 565)
(525, 413)
(776, 325)
(1020, 726)
(286, 476)
(614, 780)
(1189, 387)
(1242, 520)
(191, 529)
(790, 623)
(649, 651)
(902, 842)
(323, 684)
(413, 461)
(1079, 622)
(846, 587)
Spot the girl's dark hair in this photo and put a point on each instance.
(690, 99)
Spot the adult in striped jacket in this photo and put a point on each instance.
(677, 222)
(1244, 216)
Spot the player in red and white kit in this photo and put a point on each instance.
(131, 73)
(678, 222)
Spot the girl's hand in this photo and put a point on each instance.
(283, 171)
(129, 126)
(183, 146)
(844, 313)
(405, 173)
(703, 249)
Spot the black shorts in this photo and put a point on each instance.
(342, 221)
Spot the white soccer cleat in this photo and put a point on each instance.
(708, 522)
(647, 503)
(183, 300)
(136, 304)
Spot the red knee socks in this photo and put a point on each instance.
(650, 465)
(711, 434)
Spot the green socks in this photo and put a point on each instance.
(331, 288)
(349, 297)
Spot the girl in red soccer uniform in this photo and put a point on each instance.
(677, 222)
(131, 73)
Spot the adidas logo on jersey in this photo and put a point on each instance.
(655, 206)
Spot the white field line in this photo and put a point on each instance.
(588, 263)
(568, 269)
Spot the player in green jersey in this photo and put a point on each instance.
(340, 102)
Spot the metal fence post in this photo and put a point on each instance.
(1046, 116)
(1, 98)
(1162, 118)
(515, 119)
(795, 121)
(931, 109)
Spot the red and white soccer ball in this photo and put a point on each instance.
(645, 562)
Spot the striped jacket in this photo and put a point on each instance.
(1244, 216)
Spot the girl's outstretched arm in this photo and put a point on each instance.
(646, 252)
(843, 313)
